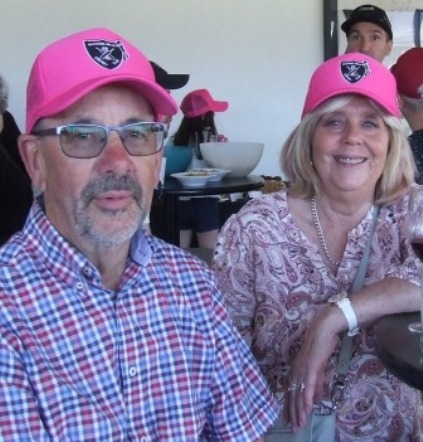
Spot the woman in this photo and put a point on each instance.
(199, 215)
(281, 258)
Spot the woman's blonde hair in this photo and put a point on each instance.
(296, 157)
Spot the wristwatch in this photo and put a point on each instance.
(344, 303)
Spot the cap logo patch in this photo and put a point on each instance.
(108, 54)
(354, 71)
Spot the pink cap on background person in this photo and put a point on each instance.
(408, 71)
(199, 102)
(352, 73)
(73, 66)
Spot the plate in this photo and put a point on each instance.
(219, 174)
(194, 177)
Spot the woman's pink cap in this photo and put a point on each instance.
(352, 73)
(199, 102)
(73, 66)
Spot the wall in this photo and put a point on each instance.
(257, 54)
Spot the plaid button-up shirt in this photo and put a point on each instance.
(156, 360)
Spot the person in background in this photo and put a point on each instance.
(15, 186)
(199, 215)
(169, 82)
(109, 334)
(286, 261)
(9, 137)
(368, 31)
(408, 72)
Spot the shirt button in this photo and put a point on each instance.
(144, 439)
(79, 285)
(133, 372)
(87, 271)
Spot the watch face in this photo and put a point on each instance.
(338, 297)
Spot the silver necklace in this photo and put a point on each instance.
(319, 231)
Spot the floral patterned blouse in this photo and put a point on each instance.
(275, 281)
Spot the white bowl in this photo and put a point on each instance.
(194, 177)
(240, 157)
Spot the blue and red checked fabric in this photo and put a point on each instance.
(157, 360)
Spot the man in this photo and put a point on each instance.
(109, 334)
(169, 82)
(408, 72)
(369, 31)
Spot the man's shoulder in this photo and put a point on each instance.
(13, 251)
(189, 278)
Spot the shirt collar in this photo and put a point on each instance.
(140, 250)
(41, 229)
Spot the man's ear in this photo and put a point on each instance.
(29, 149)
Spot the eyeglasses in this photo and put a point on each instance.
(88, 140)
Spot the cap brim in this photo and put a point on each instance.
(166, 80)
(174, 81)
(160, 100)
(220, 106)
(377, 98)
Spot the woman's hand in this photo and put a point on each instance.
(308, 369)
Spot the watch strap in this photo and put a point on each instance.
(345, 305)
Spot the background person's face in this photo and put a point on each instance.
(100, 201)
(369, 39)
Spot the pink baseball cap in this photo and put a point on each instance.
(408, 71)
(75, 65)
(199, 102)
(352, 73)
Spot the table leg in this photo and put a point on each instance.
(171, 210)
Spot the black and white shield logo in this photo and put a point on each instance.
(108, 54)
(354, 71)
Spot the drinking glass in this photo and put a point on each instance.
(415, 233)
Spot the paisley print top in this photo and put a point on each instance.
(275, 281)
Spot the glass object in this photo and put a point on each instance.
(88, 140)
(415, 233)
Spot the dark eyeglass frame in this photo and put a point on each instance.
(60, 132)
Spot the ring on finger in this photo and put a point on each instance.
(296, 386)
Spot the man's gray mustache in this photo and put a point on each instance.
(110, 183)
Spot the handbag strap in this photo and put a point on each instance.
(346, 344)
(361, 272)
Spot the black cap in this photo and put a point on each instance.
(169, 81)
(369, 14)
